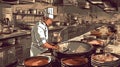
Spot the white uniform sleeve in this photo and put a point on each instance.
(41, 35)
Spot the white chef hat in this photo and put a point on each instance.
(51, 16)
(49, 13)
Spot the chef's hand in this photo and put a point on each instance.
(56, 47)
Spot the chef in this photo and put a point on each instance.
(39, 35)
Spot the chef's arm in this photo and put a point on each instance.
(47, 45)
(41, 37)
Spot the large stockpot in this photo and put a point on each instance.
(38, 61)
(73, 48)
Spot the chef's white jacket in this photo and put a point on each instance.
(39, 35)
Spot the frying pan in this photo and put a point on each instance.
(73, 48)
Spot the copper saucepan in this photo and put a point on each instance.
(38, 61)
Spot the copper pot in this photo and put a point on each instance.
(37, 61)
(74, 61)
(105, 59)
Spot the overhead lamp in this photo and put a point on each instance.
(107, 4)
(109, 9)
(96, 1)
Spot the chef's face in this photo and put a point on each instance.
(49, 22)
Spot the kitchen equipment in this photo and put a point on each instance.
(105, 59)
(56, 37)
(73, 48)
(96, 42)
(38, 61)
(7, 56)
(74, 61)
(58, 23)
(33, 11)
(6, 30)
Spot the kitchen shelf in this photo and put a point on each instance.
(22, 17)
(22, 14)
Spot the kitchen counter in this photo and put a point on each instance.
(22, 33)
(14, 34)
(26, 32)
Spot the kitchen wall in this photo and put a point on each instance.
(5, 11)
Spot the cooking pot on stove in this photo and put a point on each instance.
(73, 48)
(74, 61)
(38, 61)
(105, 59)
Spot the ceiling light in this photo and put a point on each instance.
(109, 8)
(96, 1)
(108, 11)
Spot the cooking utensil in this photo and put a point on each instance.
(74, 61)
(37, 61)
(107, 62)
(72, 48)
(6, 30)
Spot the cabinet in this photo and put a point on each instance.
(23, 48)
(7, 56)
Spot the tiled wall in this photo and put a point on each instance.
(3, 10)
